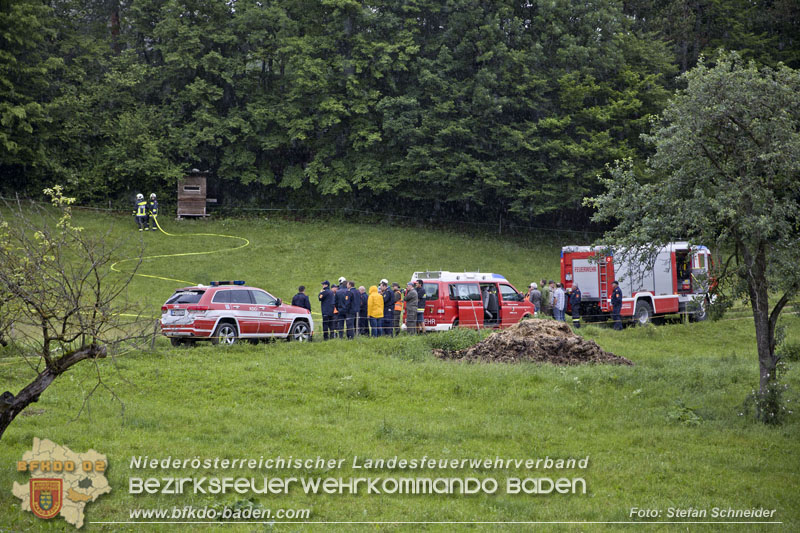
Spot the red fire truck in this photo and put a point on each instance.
(676, 281)
(462, 299)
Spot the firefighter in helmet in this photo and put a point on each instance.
(152, 209)
(141, 212)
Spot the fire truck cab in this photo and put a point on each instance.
(463, 299)
(676, 281)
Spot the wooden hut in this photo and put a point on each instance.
(192, 195)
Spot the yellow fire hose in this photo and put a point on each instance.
(155, 218)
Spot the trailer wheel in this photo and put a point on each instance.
(175, 341)
(643, 313)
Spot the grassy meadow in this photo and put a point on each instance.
(665, 433)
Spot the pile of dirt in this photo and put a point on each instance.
(539, 341)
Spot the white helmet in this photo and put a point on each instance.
(152, 196)
(384, 281)
(140, 196)
(342, 279)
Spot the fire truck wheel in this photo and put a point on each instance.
(642, 314)
(701, 313)
(300, 332)
(225, 334)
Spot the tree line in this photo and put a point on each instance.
(442, 108)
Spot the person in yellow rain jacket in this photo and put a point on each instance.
(374, 310)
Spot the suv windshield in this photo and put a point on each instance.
(185, 297)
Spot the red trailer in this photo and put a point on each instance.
(676, 280)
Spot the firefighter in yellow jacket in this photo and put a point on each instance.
(141, 212)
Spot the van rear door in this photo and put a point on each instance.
(432, 303)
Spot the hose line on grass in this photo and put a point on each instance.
(244, 244)
(184, 254)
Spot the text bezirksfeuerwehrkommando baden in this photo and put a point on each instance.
(468, 484)
(140, 462)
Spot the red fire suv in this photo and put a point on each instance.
(227, 310)
(471, 299)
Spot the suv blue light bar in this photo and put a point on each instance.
(218, 283)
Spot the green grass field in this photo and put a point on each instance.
(665, 433)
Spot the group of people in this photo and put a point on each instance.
(347, 311)
(146, 212)
(551, 300)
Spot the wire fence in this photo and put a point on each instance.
(502, 226)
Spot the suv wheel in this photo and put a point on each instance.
(300, 332)
(225, 333)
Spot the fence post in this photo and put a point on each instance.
(155, 332)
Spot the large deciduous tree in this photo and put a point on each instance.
(726, 171)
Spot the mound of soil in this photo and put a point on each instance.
(539, 341)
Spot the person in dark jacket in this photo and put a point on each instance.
(327, 300)
(575, 304)
(353, 307)
(421, 297)
(152, 211)
(300, 299)
(363, 312)
(387, 322)
(340, 310)
(616, 305)
(411, 299)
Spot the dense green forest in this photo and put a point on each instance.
(436, 108)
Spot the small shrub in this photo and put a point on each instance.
(769, 407)
(684, 414)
